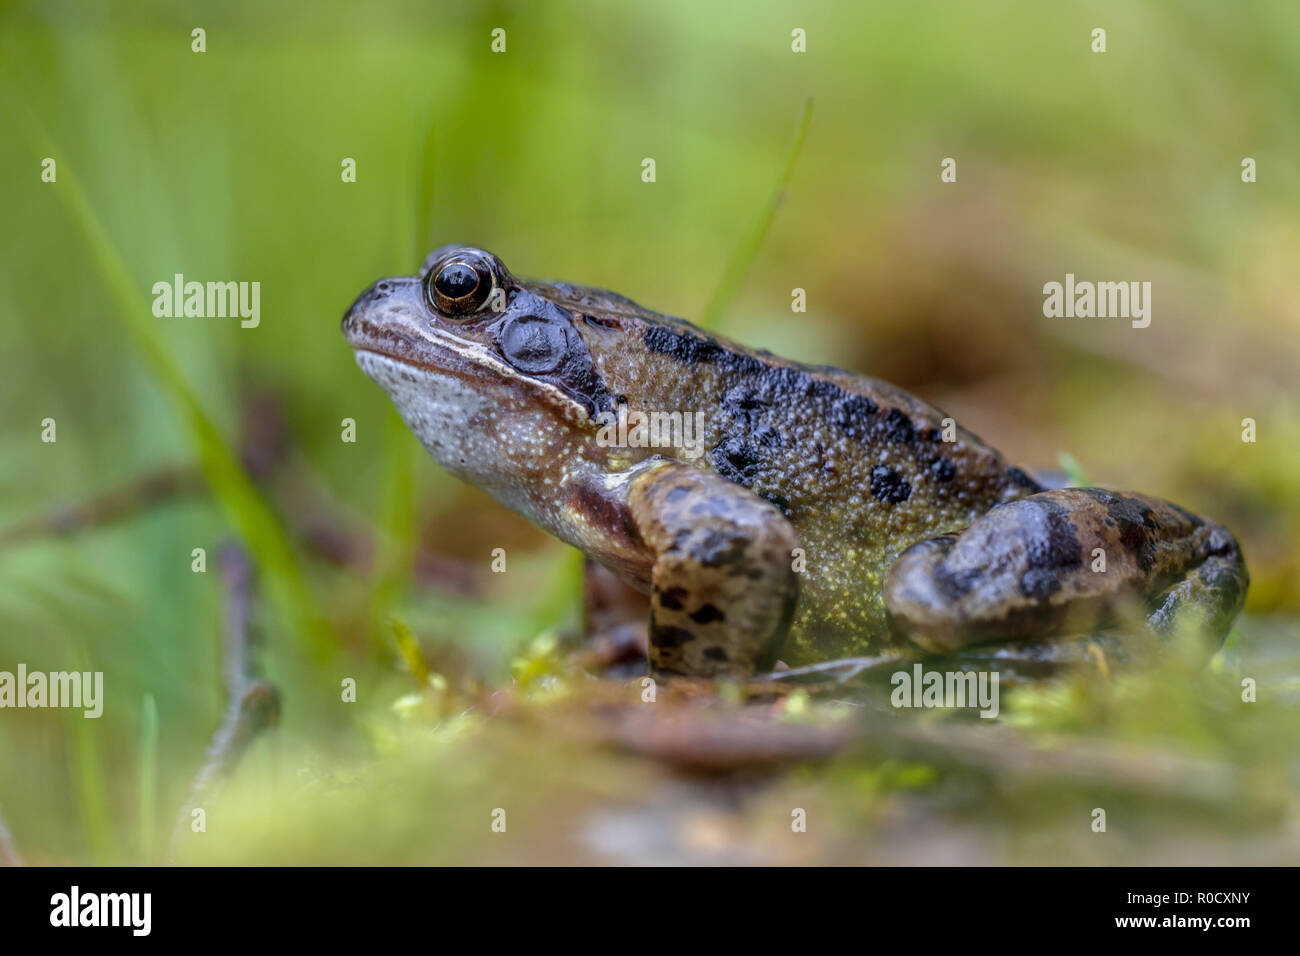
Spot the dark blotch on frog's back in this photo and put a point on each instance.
(898, 427)
(756, 387)
(854, 414)
(766, 384)
(889, 486)
(777, 380)
(737, 460)
(942, 470)
(692, 349)
(858, 416)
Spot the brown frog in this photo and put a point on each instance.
(770, 509)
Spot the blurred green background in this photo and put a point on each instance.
(225, 165)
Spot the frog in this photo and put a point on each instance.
(816, 515)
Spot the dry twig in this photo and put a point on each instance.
(253, 703)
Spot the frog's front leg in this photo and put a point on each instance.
(722, 586)
(1070, 561)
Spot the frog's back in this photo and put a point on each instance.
(861, 468)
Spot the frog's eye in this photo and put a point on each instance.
(460, 286)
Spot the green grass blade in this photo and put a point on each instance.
(91, 786)
(1074, 472)
(148, 776)
(424, 192)
(745, 253)
(409, 648)
(396, 549)
(238, 499)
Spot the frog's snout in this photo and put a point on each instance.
(380, 311)
(363, 305)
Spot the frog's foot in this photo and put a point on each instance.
(1028, 661)
(722, 586)
(1072, 561)
(842, 670)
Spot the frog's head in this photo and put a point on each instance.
(489, 371)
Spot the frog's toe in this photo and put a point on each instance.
(1211, 595)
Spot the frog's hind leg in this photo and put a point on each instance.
(1067, 562)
